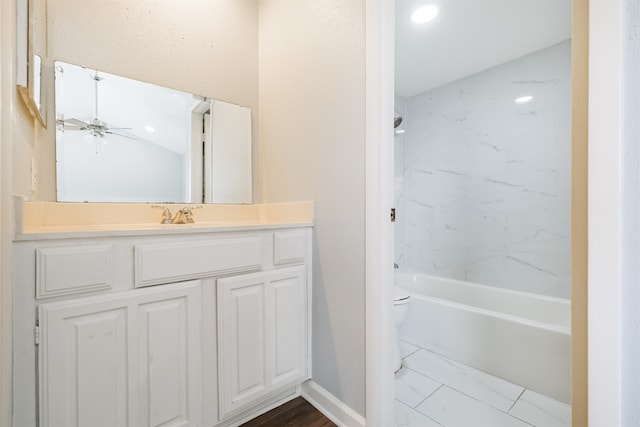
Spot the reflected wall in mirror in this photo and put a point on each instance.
(122, 140)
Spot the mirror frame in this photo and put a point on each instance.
(26, 63)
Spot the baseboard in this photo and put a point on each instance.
(270, 403)
(330, 406)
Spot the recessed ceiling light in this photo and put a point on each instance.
(524, 99)
(149, 129)
(424, 14)
(399, 131)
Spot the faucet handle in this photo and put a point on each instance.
(166, 214)
(184, 215)
(188, 215)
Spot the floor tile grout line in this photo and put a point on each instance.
(524, 421)
(476, 399)
(468, 370)
(424, 415)
(423, 375)
(417, 348)
(443, 384)
(473, 398)
(471, 378)
(425, 396)
(421, 402)
(428, 396)
(516, 401)
(468, 395)
(434, 391)
(542, 410)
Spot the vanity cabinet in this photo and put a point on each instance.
(201, 328)
(261, 335)
(128, 359)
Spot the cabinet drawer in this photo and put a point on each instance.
(289, 247)
(165, 262)
(68, 270)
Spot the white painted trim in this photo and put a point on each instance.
(331, 406)
(7, 106)
(605, 150)
(273, 402)
(380, 66)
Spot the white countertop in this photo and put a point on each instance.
(50, 220)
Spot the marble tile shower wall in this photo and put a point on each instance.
(399, 179)
(485, 182)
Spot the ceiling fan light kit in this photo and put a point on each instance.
(97, 129)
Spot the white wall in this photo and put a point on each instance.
(487, 180)
(7, 80)
(17, 145)
(605, 199)
(206, 47)
(630, 304)
(312, 147)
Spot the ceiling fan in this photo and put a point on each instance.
(96, 127)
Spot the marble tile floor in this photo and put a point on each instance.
(432, 390)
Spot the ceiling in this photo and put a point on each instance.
(141, 110)
(469, 36)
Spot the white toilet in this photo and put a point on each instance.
(401, 300)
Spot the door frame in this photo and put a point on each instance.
(379, 240)
(587, 401)
(8, 108)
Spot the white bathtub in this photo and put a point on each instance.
(521, 337)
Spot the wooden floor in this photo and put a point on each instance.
(296, 413)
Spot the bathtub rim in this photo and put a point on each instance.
(566, 330)
(491, 288)
(560, 327)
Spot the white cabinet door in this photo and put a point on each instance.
(241, 340)
(127, 359)
(287, 339)
(262, 335)
(85, 361)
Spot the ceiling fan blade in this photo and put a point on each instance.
(66, 127)
(110, 128)
(119, 134)
(75, 122)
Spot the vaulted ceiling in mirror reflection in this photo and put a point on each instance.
(157, 114)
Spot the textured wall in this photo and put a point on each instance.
(487, 180)
(312, 147)
(206, 47)
(630, 227)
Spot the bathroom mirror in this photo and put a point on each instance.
(29, 17)
(123, 140)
